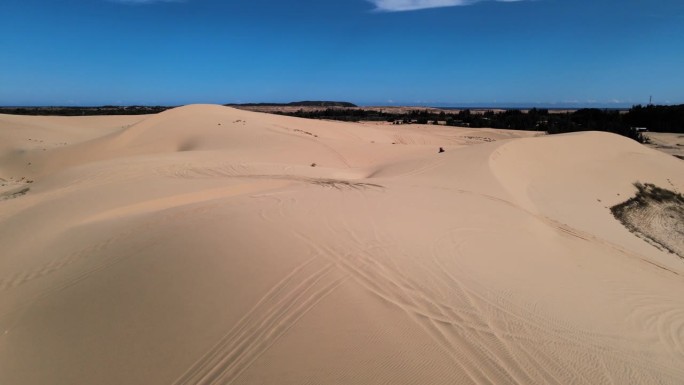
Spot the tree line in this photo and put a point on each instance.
(84, 111)
(627, 123)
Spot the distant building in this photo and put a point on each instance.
(641, 129)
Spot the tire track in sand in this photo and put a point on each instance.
(489, 337)
(384, 285)
(587, 348)
(276, 313)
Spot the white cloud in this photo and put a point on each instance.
(412, 5)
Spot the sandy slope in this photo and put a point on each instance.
(200, 246)
(669, 143)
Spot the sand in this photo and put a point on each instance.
(669, 143)
(209, 245)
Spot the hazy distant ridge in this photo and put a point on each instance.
(305, 103)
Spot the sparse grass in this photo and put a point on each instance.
(344, 184)
(656, 215)
(647, 192)
(14, 194)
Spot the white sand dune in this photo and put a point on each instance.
(208, 245)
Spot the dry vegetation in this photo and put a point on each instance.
(655, 214)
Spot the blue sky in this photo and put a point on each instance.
(434, 52)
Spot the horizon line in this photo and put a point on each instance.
(442, 105)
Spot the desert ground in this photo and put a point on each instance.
(669, 143)
(210, 245)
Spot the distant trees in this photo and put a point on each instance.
(653, 118)
(593, 119)
(657, 118)
(84, 111)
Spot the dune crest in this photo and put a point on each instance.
(209, 245)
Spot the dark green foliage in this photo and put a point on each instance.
(657, 118)
(592, 119)
(589, 119)
(347, 115)
(83, 111)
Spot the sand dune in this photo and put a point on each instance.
(209, 245)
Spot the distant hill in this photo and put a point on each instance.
(306, 103)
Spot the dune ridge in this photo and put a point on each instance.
(210, 245)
